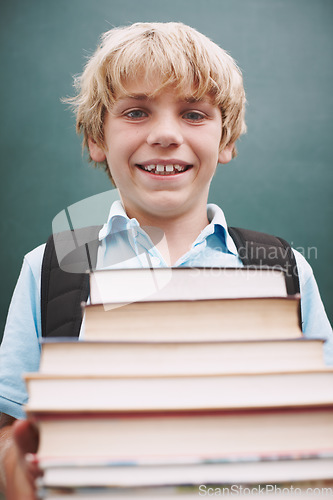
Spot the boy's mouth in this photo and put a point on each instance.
(159, 169)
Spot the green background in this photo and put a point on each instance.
(282, 178)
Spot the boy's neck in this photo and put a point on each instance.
(179, 232)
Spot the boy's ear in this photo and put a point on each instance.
(226, 154)
(96, 152)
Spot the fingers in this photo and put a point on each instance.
(26, 436)
(20, 463)
(32, 467)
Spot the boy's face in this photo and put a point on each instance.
(162, 151)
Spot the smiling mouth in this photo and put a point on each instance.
(164, 169)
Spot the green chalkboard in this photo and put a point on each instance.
(281, 181)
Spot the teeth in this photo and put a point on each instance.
(164, 169)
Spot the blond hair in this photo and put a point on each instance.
(178, 54)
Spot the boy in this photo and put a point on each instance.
(159, 105)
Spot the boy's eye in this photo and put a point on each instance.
(194, 116)
(136, 114)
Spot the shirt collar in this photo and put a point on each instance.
(118, 221)
(217, 221)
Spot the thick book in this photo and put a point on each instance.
(61, 356)
(188, 320)
(138, 285)
(184, 437)
(309, 490)
(219, 472)
(98, 392)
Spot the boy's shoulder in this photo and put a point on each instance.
(34, 259)
(303, 266)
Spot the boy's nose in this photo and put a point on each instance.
(165, 133)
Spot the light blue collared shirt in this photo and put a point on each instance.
(124, 244)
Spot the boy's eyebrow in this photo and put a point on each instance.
(147, 97)
(139, 97)
(193, 100)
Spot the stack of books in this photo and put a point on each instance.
(184, 377)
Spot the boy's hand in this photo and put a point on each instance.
(20, 465)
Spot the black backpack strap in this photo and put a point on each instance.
(64, 280)
(264, 250)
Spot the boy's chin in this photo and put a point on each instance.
(167, 209)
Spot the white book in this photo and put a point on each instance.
(59, 357)
(161, 284)
(248, 472)
(84, 393)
